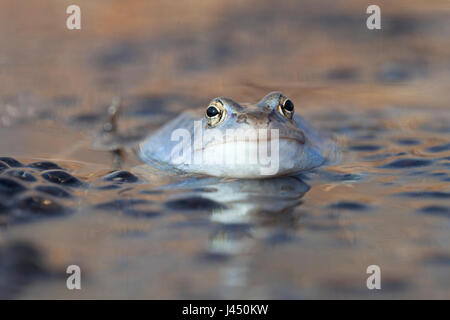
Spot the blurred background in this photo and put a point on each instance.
(315, 51)
(385, 93)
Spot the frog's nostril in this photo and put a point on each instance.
(242, 118)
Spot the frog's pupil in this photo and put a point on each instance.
(288, 105)
(212, 111)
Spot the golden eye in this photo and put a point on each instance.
(215, 113)
(286, 108)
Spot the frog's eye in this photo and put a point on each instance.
(215, 113)
(286, 108)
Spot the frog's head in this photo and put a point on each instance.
(270, 121)
(274, 111)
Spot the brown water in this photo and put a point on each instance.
(384, 94)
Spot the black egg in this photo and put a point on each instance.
(62, 178)
(9, 187)
(36, 204)
(121, 177)
(44, 165)
(11, 162)
(22, 175)
(54, 191)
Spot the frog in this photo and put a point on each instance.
(201, 144)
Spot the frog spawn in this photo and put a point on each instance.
(44, 189)
(27, 194)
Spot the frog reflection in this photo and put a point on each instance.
(254, 213)
(249, 208)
